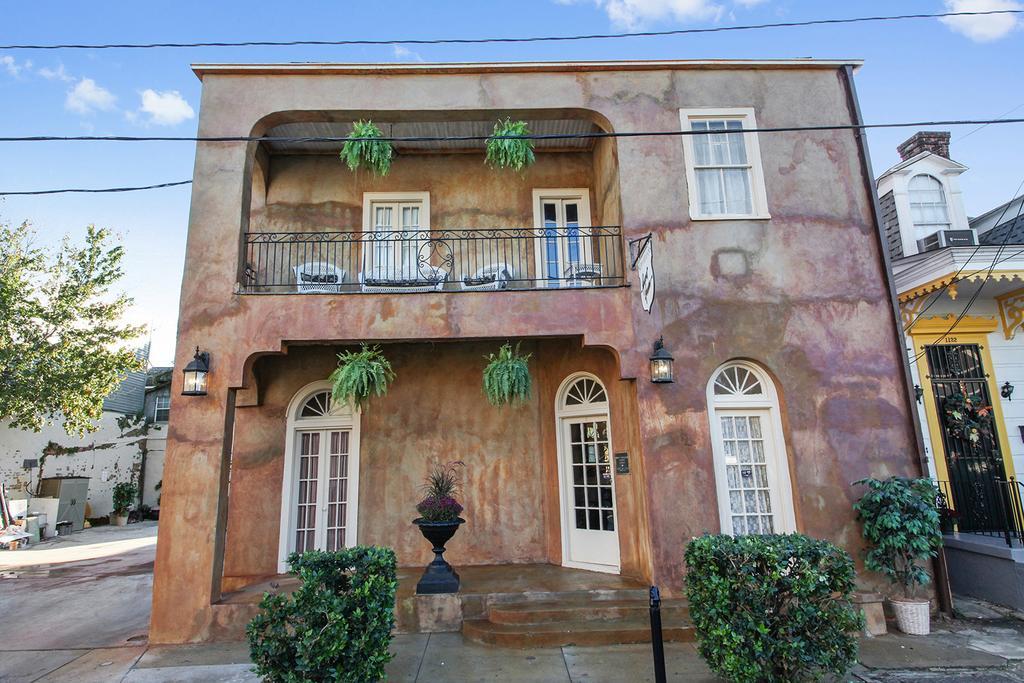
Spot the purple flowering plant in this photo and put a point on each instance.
(439, 504)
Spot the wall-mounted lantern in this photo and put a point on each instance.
(918, 392)
(661, 363)
(1007, 391)
(196, 374)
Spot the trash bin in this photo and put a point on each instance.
(64, 528)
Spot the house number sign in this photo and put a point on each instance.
(622, 463)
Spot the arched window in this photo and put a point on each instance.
(755, 495)
(928, 208)
(320, 487)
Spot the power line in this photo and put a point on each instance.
(96, 190)
(483, 138)
(972, 132)
(530, 39)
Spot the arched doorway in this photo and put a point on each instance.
(320, 486)
(755, 495)
(590, 538)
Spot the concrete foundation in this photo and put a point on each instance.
(986, 568)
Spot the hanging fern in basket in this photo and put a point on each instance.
(359, 375)
(510, 152)
(362, 149)
(507, 376)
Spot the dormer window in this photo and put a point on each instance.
(928, 207)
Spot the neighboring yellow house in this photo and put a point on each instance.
(960, 285)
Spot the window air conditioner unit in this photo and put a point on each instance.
(947, 238)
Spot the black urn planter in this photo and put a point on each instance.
(438, 577)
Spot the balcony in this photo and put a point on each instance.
(407, 261)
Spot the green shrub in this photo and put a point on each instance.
(362, 149)
(336, 626)
(902, 524)
(772, 608)
(506, 151)
(125, 493)
(507, 376)
(359, 375)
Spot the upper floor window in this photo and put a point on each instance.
(162, 408)
(723, 164)
(928, 207)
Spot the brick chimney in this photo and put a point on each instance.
(934, 141)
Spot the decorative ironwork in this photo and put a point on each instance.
(431, 260)
(987, 507)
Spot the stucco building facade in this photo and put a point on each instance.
(771, 294)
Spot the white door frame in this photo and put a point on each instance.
(766, 405)
(563, 414)
(540, 195)
(340, 418)
(396, 199)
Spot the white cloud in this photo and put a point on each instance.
(750, 3)
(985, 28)
(167, 108)
(632, 14)
(58, 74)
(406, 55)
(12, 67)
(87, 97)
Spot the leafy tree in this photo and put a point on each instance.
(62, 337)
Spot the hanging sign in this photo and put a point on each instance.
(644, 267)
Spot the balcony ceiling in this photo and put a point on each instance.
(430, 129)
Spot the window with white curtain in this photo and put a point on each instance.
(723, 164)
(928, 207)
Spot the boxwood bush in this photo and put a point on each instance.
(337, 624)
(772, 608)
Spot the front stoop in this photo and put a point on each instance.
(583, 618)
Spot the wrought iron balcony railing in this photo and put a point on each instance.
(396, 261)
(984, 506)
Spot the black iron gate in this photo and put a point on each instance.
(976, 473)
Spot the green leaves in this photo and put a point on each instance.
(362, 149)
(62, 333)
(772, 608)
(359, 375)
(901, 523)
(506, 151)
(336, 626)
(125, 494)
(507, 376)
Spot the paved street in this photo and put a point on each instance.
(76, 611)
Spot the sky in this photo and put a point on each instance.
(914, 71)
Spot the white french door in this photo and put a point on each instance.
(324, 517)
(394, 231)
(751, 492)
(592, 539)
(563, 238)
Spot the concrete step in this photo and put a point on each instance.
(584, 608)
(570, 632)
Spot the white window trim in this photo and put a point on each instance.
(759, 198)
(580, 194)
(371, 198)
(767, 403)
(340, 419)
(562, 412)
(157, 408)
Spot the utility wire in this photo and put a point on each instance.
(530, 39)
(96, 190)
(975, 130)
(483, 138)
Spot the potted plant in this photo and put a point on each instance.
(902, 526)
(507, 376)
(125, 493)
(438, 521)
(364, 148)
(359, 375)
(505, 149)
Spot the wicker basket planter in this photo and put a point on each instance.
(913, 617)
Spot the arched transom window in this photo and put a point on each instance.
(751, 466)
(928, 207)
(317, 405)
(585, 391)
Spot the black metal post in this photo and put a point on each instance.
(657, 643)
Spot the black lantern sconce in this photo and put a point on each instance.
(196, 375)
(1006, 391)
(918, 392)
(661, 363)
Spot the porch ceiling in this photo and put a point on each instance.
(430, 129)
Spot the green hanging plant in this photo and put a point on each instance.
(359, 375)
(507, 376)
(361, 149)
(506, 152)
